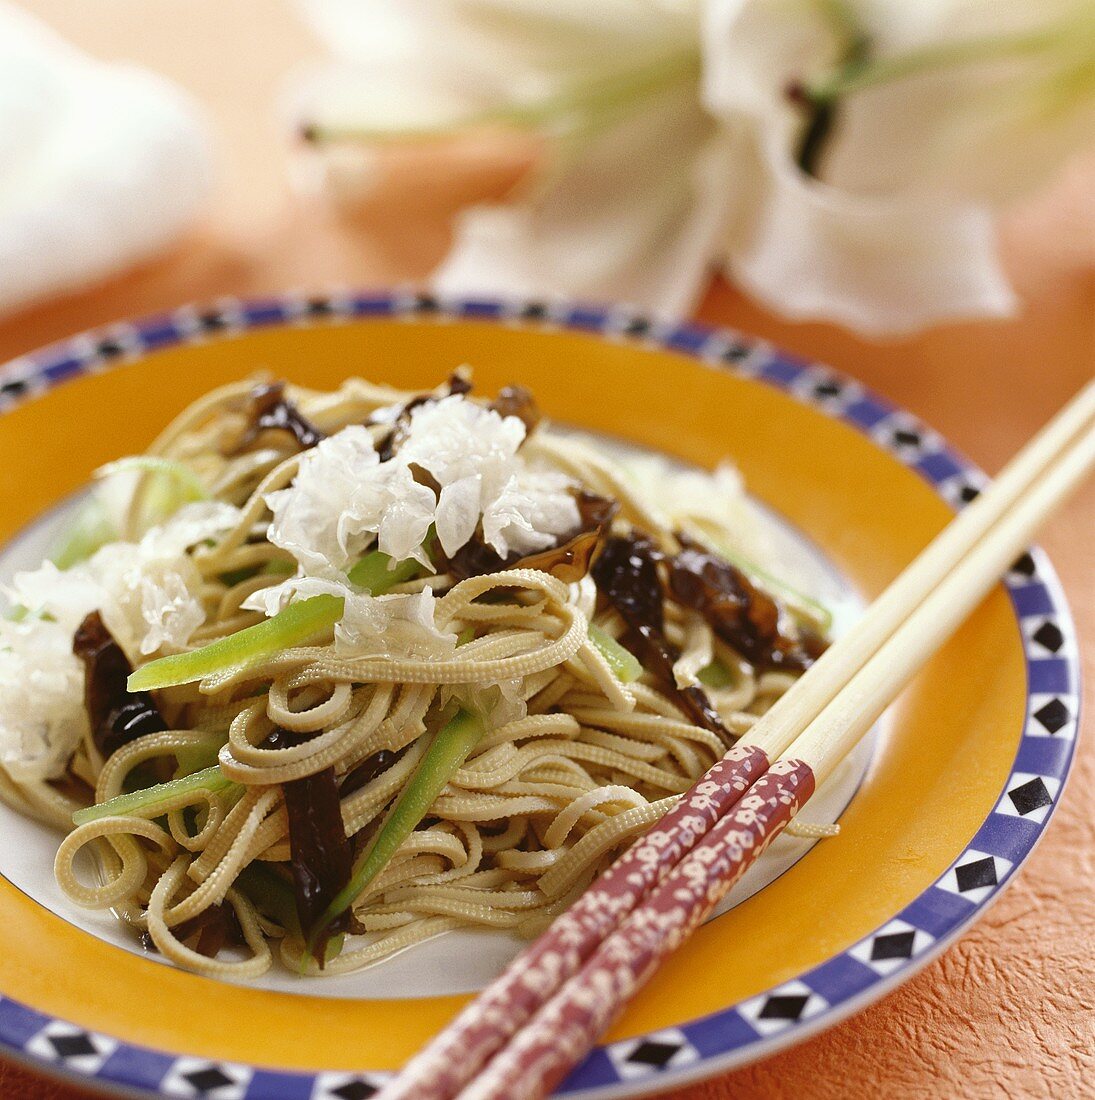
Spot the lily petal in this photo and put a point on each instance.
(973, 98)
(878, 265)
(634, 218)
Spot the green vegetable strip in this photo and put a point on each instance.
(446, 754)
(376, 574)
(279, 567)
(188, 484)
(270, 894)
(624, 664)
(148, 802)
(298, 624)
(715, 675)
(193, 758)
(372, 573)
(90, 530)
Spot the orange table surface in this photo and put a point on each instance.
(1010, 1009)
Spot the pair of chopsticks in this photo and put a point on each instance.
(521, 1036)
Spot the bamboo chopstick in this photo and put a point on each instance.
(566, 1027)
(805, 698)
(836, 730)
(704, 817)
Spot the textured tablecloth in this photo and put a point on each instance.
(1010, 1009)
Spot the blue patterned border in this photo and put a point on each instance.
(756, 1027)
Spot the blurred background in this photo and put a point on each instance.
(638, 151)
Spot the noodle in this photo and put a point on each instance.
(574, 763)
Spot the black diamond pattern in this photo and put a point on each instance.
(1024, 566)
(784, 1006)
(72, 1046)
(652, 1053)
(425, 303)
(13, 389)
(907, 437)
(895, 945)
(354, 1089)
(637, 326)
(968, 493)
(827, 389)
(534, 311)
(1031, 796)
(108, 349)
(735, 353)
(212, 320)
(1049, 636)
(1053, 715)
(973, 876)
(205, 1081)
(318, 307)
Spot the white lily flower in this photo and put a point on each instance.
(674, 142)
(938, 109)
(104, 165)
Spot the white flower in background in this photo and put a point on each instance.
(343, 496)
(102, 165)
(839, 157)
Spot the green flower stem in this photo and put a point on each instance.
(851, 77)
(298, 624)
(582, 97)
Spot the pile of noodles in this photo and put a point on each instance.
(574, 764)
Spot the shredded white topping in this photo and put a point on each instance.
(393, 625)
(343, 497)
(42, 685)
(146, 594)
(145, 591)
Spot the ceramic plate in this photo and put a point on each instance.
(938, 811)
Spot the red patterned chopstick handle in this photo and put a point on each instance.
(565, 1029)
(449, 1061)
